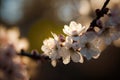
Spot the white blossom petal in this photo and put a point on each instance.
(65, 54)
(86, 53)
(75, 57)
(74, 29)
(53, 62)
(95, 57)
(81, 58)
(66, 30)
(73, 24)
(66, 59)
(55, 36)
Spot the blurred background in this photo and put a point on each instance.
(36, 19)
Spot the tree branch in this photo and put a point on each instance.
(105, 4)
(34, 55)
(99, 14)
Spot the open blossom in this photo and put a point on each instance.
(74, 29)
(73, 42)
(69, 53)
(109, 34)
(51, 49)
(88, 45)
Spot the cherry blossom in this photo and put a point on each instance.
(69, 53)
(51, 48)
(88, 45)
(109, 34)
(74, 29)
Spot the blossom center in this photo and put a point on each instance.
(87, 45)
(106, 31)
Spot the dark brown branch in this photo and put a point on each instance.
(105, 4)
(99, 14)
(34, 55)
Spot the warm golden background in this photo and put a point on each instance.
(36, 19)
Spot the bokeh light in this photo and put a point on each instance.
(11, 10)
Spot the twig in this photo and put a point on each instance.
(34, 55)
(99, 14)
(105, 4)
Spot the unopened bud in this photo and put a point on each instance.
(62, 38)
(106, 10)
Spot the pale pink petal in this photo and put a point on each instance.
(75, 57)
(54, 62)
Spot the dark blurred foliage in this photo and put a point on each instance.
(39, 19)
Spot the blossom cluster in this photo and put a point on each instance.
(12, 37)
(12, 65)
(80, 43)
